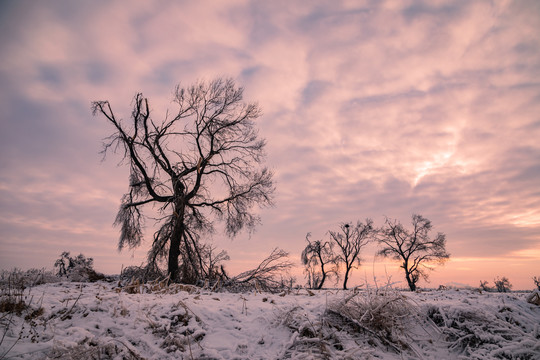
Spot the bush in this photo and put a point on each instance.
(484, 286)
(503, 285)
(78, 268)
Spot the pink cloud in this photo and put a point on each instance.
(372, 110)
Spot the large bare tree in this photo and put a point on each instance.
(415, 248)
(350, 241)
(201, 162)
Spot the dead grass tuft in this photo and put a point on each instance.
(16, 302)
(383, 315)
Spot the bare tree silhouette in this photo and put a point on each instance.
(202, 162)
(316, 255)
(414, 247)
(350, 242)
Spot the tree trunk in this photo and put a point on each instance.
(323, 278)
(322, 269)
(412, 284)
(346, 277)
(174, 251)
(176, 238)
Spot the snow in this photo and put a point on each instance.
(96, 321)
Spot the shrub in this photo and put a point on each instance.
(484, 286)
(79, 268)
(503, 285)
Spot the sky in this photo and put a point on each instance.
(371, 109)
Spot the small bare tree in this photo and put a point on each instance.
(212, 265)
(537, 282)
(315, 257)
(350, 241)
(201, 162)
(414, 247)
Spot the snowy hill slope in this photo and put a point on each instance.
(93, 321)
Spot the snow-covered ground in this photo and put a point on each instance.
(94, 321)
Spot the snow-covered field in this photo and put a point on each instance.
(94, 321)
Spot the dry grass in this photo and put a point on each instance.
(312, 338)
(158, 286)
(16, 301)
(352, 327)
(495, 334)
(384, 315)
